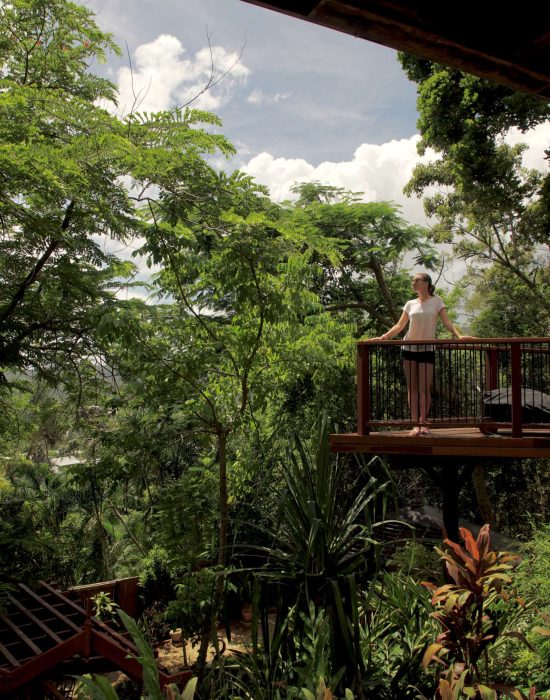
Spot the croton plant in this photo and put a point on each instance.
(474, 610)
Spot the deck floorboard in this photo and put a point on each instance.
(466, 442)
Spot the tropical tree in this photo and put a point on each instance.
(488, 206)
(66, 162)
(374, 240)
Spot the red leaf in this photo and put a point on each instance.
(470, 543)
(484, 540)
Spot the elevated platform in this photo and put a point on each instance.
(446, 442)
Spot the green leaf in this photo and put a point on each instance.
(189, 690)
(486, 692)
(100, 688)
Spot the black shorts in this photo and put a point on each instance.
(426, 356)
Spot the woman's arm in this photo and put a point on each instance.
(450, 327)
(394, 330)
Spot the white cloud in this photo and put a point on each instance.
(378, 171)
(257, 97)
(537, 140)
(163, 76)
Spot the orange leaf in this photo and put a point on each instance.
(431, 651)
(445, 691)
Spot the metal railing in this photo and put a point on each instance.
(490, 383)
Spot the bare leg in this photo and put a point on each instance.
(411, 375)
(425, 378)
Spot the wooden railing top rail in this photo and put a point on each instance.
(455, 341)
(93, 587)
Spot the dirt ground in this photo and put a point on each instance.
(170, 654)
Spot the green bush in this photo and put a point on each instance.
(524, 666)
(396, 625)
(156, 584)
(416, 560)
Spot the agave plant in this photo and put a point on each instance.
(321, 541)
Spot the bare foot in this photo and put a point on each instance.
(415, 432)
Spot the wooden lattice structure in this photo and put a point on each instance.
(46, 635)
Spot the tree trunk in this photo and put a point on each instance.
(384, 289)
(224, 511)
(482, 494)
(450, 490)
(209, 631)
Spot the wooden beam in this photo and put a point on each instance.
(11, 659)
(47, 660)
(499, 47)
(50, 608)
(34, 619)
(21, 635)
(464, 442)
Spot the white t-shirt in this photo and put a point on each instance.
(423, 317)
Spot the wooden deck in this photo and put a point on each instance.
(446, 442)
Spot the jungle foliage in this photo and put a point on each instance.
(181, 434)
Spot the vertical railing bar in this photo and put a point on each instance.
(516, 353)
(381, 370)
(500, 366)
(437, 400)
(473, 383)
(452, 371)
(375, 379)
(462, 375)
(397, 400)
(386, 384)
(468, 378)
(363, 389)
(380, 385)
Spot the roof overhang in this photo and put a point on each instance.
(508, 44)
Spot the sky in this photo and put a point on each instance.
(299, 102)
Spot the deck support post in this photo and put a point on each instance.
(450, 490)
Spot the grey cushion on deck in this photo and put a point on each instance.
(535, 405)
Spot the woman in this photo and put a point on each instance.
(418, 360)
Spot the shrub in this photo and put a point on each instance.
(476, 612)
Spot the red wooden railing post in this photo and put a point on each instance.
(127, 595)
(491, 368)
(363, 389)
(515, 352)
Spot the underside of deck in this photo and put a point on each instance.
(450, 442)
